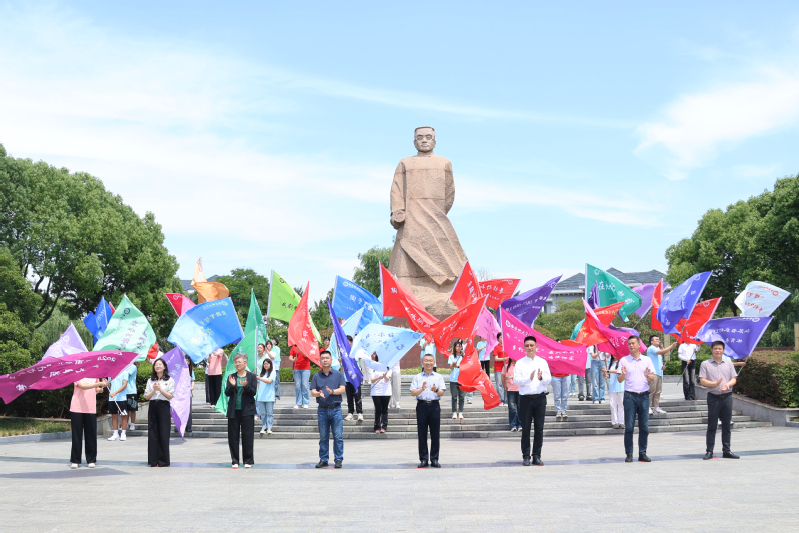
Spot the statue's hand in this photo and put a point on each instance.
(397, 218)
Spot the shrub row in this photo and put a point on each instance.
(771, 377)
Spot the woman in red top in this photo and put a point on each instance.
(499, 361)
(302, 376)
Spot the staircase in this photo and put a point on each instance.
(584, 418)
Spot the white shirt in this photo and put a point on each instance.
(591, 351)
(379, 387)
(521, 375)
(168, 386)
(687, 352)
(434, 378)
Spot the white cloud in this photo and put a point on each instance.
(696, 127)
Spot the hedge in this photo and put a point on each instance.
(771, 377)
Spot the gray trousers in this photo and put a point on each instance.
(396, 389)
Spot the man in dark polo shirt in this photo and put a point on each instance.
(719, 376)
(327, 386)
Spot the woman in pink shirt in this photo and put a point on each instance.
(83, 418)
(512, 395)
(213, 376)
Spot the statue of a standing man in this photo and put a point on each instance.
(427, 256)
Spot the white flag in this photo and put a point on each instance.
(760, 299)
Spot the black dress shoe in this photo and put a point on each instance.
(537, 461)
(629, 458)
(321, 464)
(422, 464)
(642, 458)
(730, 455)
(708, 455)
(337, 464)
(435, 464)
(526, 461)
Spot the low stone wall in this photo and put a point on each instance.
(36, 437)
(762, 412)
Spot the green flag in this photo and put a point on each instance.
(283, 301)
(127, 330)
(255, 320)
(249, 347)
(611, 290)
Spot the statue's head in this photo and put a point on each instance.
(424, 138)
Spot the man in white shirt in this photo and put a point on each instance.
(428, 388)
(532, 376)
(687, 354)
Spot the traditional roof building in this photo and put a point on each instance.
(188, 289)
(573, 288)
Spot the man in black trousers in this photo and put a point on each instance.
(428, 388)
(719, 376)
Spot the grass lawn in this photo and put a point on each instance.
(10, 427)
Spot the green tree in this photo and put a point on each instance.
(76, 242)
(561, 323)
(240, 282)
(320, 314)
(367, 275)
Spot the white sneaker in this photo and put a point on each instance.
(348, 417)
(455, 416)
(235, 467)
(468, 401)
(91, 465)
(306, 406)
(398, 406)
(73, 466)
(247, 466)
(558, 415)
(660, 411)
(122, 436)
(650, 411)
(269, 431)
(360, 417)
(115, 436)
(132, 426)
(296, 407)
(262, 432)
(460, 415)
(595, 401)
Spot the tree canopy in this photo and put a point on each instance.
(367, 275)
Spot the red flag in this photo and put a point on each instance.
(472, 377)
(467, 288)
(703, 311)
(460, 324)
(657, 297)
(614, 340)
(179, 302)
(152, 353)
(398, 301)
(498, 290)
(300, 330)
(588, 334)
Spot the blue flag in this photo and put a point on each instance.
(528, 305)
(739, 334)
(97, 322)
(348, 297)
(680, 302)
(388, 342)
(350, 326)
(205, 328)
(351, 370)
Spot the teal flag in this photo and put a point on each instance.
(255, 320)
(128, 330)
(611, 290)
(249, 347)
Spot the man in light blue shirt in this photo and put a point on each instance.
(428, 388)
(655, 353)
(117, 404)
(276, 351)
(428, 348)
(133, 396)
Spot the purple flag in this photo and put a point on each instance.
(52, 373)
(680, 302)
(180, 405)
(348, 363)
(739, 334)
(646, 291)
(67, 344)
(593, 297)
(528, 305)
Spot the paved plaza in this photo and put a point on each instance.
(584, 487)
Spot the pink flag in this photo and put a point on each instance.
(52, 373)
(562, 359)
(487, 327)
(179, 302)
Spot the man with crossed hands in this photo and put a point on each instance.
(428, 388)
(719, 376)
(637, 373)
(327, 386)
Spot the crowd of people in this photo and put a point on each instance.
(633, 384)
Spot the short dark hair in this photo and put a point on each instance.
(349, 338)
(720, 343)
(635, 337)
(652, 337)
(325, 352)
(530, 338)
(262, 344)
(325, 338)
(499, 335)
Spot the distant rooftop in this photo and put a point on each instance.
(576, 283)
(187, 284)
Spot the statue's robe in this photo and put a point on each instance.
(426, 245)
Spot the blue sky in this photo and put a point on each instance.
(266, 135)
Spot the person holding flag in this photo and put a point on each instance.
(213, 376)
(354, 403)
(241, 389)
(719, 376)
(83, 420)
(637, 373)
(327, 386)
(276, 352)
(500, 359)
(381, 394)
(118, 404)
(458, 395)
(533, 377)
(302, 373)
(687, 354)
(159, 391)
(428, 387)
(655, 353)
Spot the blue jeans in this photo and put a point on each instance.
(330, 419)
(302, 393)
(560, 391)
(636, 405)
(513, 409)
(499, 387)
(277, 380)
(597, 380)
(265, 410)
